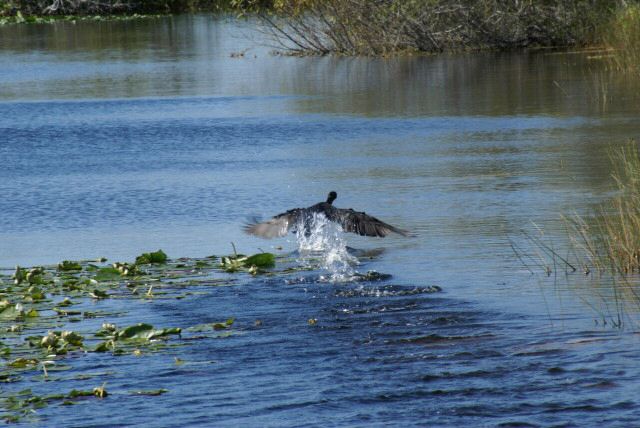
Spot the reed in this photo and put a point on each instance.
(609, 240)
(622, 35)
(604, 247)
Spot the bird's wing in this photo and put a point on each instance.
(276, 226)
(363, 224)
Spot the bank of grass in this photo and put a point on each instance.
(622, 36)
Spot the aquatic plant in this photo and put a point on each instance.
(40, 324)
(158, 257)
(604, 246)
(609, 240)
(253, 264)
(622, 35)
(48, 320)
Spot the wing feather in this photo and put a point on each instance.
(364, 224)
(276, 226)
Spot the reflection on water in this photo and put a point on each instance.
(123, 137)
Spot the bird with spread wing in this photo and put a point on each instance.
(350, 220)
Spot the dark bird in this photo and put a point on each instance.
(350, 220)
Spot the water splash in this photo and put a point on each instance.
(318, 237)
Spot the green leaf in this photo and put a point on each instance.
(103, 346)
(65, 313)
(156, 257)
(134, 330)
(261, 260)
(145, 332)
(21, 363)
(107, 274)
(35, 293)
(72, 338)
(66, 302)
(10, 311)
(80, 393)
(68, 265)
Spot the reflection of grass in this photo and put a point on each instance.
(623, 35)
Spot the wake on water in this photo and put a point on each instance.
(323, 239)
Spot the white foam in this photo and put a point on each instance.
(323, 239)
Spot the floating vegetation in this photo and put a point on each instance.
(158, 257)
(254, 264)
(67, 265)
(44, 313)
(53, 316)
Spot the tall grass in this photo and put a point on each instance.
(623, 36)
(604, 247)
(610, 239)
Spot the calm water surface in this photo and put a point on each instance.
(123, 137)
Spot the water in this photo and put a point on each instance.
(324, 240)
(123, 137)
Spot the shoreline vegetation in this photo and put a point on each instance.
(384, 27)
(388, 27)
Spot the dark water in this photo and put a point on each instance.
(123, 137)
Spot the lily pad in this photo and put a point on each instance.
(107, 274)
(262, 260)
(68, 265)
(145, 332)
(157, 257)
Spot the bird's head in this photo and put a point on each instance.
(332, 197)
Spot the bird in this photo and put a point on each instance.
(350, 220)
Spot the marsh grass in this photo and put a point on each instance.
(622, 35)
(603, 247)
(609, 240)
